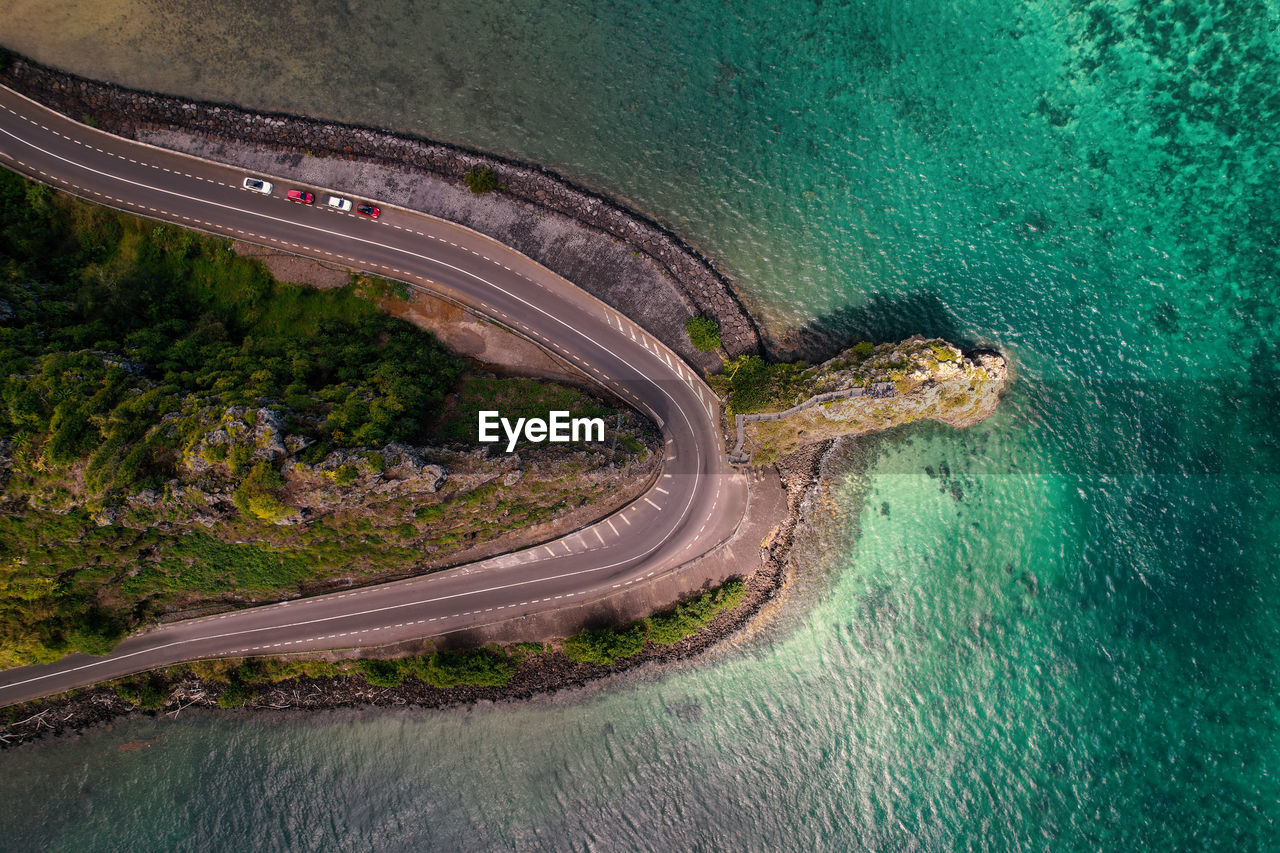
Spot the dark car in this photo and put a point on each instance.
(368, 210)
(301, 195)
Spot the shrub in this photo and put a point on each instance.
(285, 670)
(481, 181)
(256, 496)
(704, 333)
(520, 651)
(685, 619)
(754, 385)
(382, 673)
(605, 646)
(238, 458)
(214, 671)
(941, 352)
(487, 667)
(145, 693)
(95, 631)
(862, 350)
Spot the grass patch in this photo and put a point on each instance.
(198, 563)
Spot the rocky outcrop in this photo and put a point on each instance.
(351, 481)
(259, 430)
(866, 389)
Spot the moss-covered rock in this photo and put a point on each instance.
(916, 379)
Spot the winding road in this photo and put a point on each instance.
(696, 503)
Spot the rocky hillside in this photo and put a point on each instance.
(179, 432)
(868, 388)
(252, 512)
(436, 500)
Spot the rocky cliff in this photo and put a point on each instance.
(868, 388)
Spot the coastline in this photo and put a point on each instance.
(623, 257)
(614, 234)
(539, 675)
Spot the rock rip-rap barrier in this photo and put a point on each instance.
(132, 114)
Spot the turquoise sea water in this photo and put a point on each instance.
(1057, 630)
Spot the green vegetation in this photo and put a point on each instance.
(257, 494)
(148, 692)
(751, 384)
(607, 646)
(487, 667)
(125, 344)
(234, 695)
(481, 181)
(491, 666)
(117, 324)
(375, 287)
(687, 618)
(515, 397)
(382, 673)
(941, 352)
(704, 333)
(520, 651)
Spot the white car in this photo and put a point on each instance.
(258, 185)
(339, 203)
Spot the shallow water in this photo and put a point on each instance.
(1056, 630)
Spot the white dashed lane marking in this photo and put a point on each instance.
(650, 345)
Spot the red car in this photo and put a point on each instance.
(368, 210)
(300, 195)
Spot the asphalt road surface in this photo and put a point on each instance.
(696, 503)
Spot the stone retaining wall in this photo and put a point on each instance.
(622, 257)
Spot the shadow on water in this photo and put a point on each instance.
(881, 318)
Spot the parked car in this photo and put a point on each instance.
(258, 185)
(368, 210)
(300, 195)
(339, 203)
